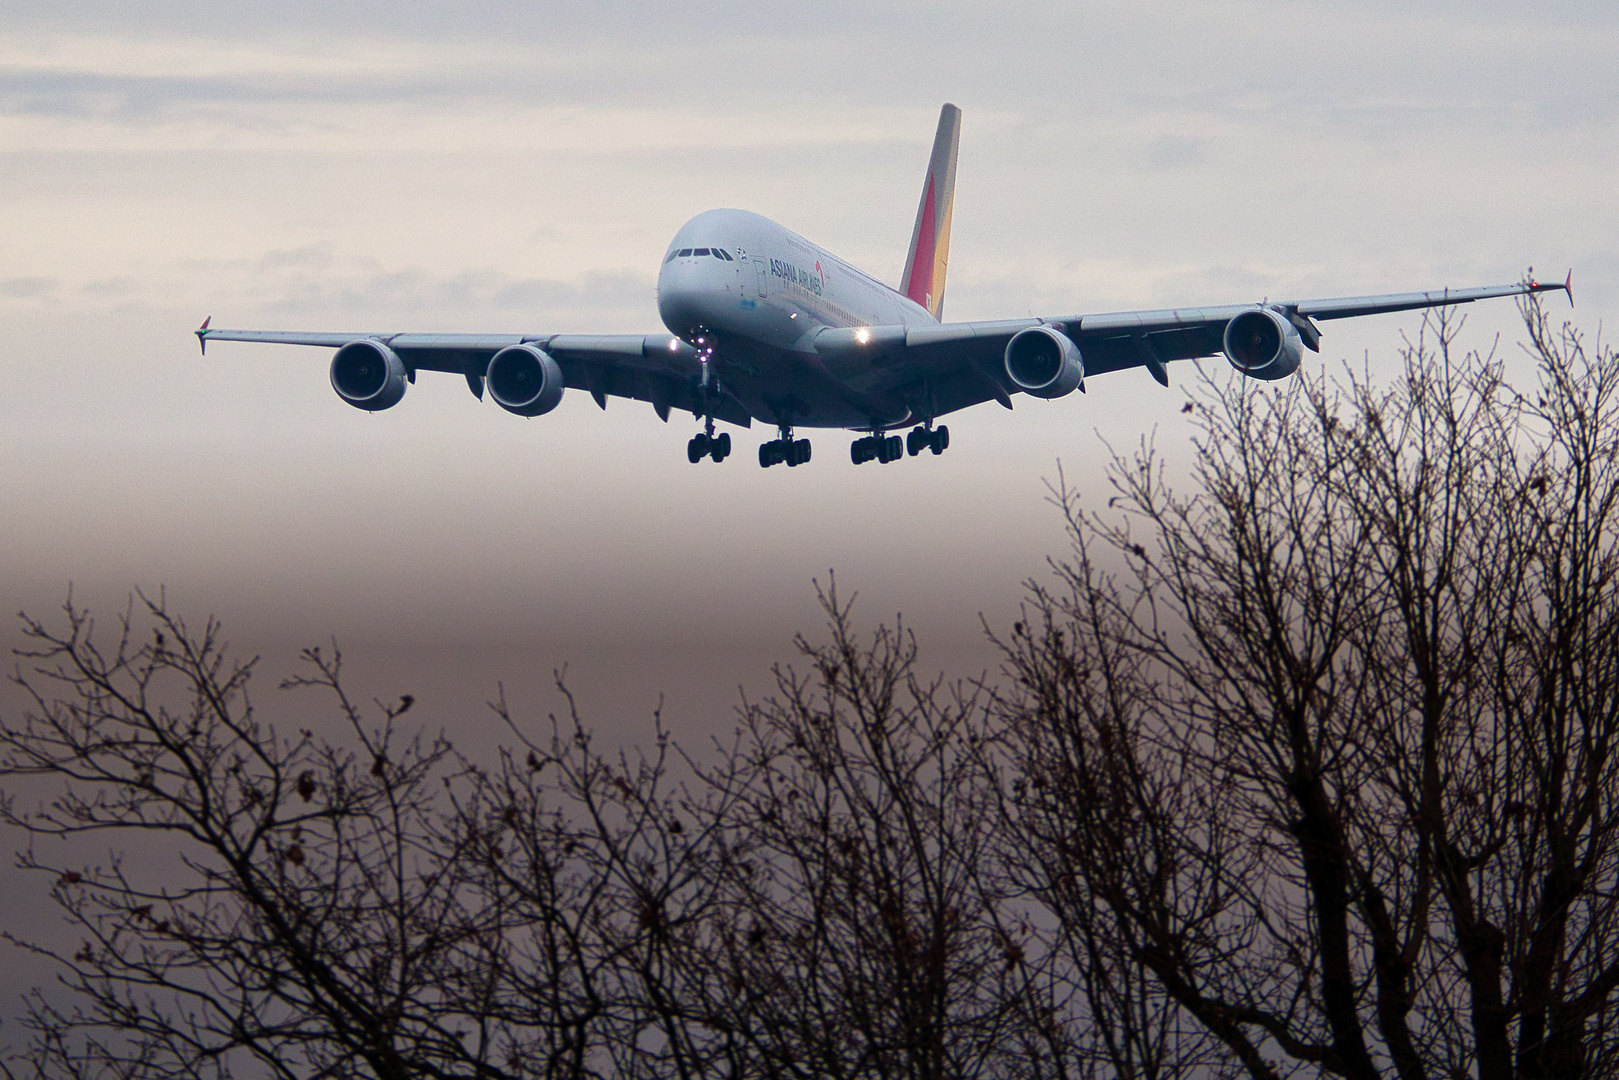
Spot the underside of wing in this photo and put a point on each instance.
(658, 369)
(954, 365)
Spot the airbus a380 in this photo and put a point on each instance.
(764, 325)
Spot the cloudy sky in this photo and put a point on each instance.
(519, 166)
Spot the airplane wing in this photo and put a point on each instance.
(656, 368)
(962, 363)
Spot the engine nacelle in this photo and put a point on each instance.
(525, 379)
(1045, 362)
(368, 375)
(1263, 344)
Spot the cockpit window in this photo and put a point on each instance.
(683, 253)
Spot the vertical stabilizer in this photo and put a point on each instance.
(930, 240)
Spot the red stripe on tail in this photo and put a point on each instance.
(921, 283)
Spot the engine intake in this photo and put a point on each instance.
(368, 375)
(1263, 344)
(525, 379)
(1045, 362)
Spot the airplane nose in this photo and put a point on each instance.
(685, 299)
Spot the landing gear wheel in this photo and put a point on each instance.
(917, 440)
(939, 440)
(720, 446)
(785, 448)
(697, 449)
(884, 448)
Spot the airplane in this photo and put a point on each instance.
(764, 325)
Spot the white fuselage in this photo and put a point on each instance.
(777, 290)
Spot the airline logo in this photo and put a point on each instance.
(809, 281)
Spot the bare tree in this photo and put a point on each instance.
(298, 909)
(599, 876)
(1326, 747)
(821, 900)
(865, 932)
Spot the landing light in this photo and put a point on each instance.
(674, 344)
(862, 335)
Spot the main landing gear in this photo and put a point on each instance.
(786, 450)
(707, 444)
(886, 448)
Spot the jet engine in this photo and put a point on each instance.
(525, 379)
(1045, 362)
(1263, 344)
(368, 375)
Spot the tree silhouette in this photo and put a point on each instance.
(1326, 747)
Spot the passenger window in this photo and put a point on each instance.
(683, 252)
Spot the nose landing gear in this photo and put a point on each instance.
(705, 443)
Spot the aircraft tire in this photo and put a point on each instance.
(916, 440)
(697, 449)
(801, 451)
(940, 440)
(896, 448)
(720, 446)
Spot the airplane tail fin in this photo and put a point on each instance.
(930, 240)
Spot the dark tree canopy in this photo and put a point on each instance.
(1301, 765)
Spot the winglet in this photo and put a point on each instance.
(202, 334)
(1533, 286)
(929, 255)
